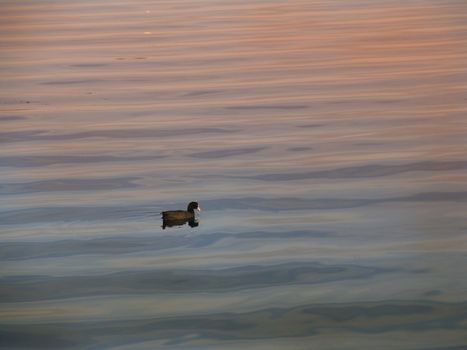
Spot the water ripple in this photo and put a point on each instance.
(59, 185)
(40, 161)
(44, 135)
(226, 152)
(30, 288)
(362, 171)
(345, 320)
(125, 245)
(102, 213)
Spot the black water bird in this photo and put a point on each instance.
(181, 217)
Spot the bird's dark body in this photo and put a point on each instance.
(177, 215)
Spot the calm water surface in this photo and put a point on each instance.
(325, 141)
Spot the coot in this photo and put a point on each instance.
(180, 217)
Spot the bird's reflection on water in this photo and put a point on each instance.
(179, 222)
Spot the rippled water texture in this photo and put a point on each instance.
(325, 141)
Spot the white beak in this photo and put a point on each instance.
(199, 209)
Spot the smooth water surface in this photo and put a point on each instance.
(325, 141)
